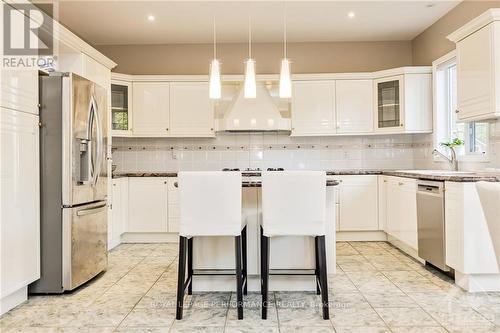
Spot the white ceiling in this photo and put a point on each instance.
(125, 22)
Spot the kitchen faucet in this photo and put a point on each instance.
(453, 160)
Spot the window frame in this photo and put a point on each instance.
(443, 117)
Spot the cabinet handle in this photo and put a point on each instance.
(401, 124)
(385, 181)
(167, 129)
(457, 111)
(211, 129)
(401, 183)
(164, 182)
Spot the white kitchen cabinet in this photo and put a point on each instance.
(478, 67)
(401, 212)
(119, 217)
(19, 202)
(191, 111)
(173, 206)
(313, 108)
(75, 61)
(147, 204)
(121, 108)
(354, 106)
(19, 90)
(151, 105)
(358, 203)
(403, 103)
(382, 202)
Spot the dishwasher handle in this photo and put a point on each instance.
(430, 188)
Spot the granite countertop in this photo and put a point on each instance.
(258, 183)
(415, 174)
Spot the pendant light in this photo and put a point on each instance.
(285, 90)
(214, 89)
(250, 89)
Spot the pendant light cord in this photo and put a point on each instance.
(249, 37)
(215, 40)
(284, 30)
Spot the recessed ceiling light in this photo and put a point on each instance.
(151, 18)
(430, 5)
(351, 14)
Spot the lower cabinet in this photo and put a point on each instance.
(119, 215)
(20, 202)
(358, 203)
(401, 210)
(147, 204)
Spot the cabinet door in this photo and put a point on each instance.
(474, 76)
(19, 90)
(402, 210)
(147, 204)
(354, 106)
(173, 206)
(389, 103)
(119, 211)
(191, 112)
(121, 107)
(358, 203)
(151, 108)
(20, 200)
(313, 108)
(382, 203)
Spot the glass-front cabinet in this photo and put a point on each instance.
(121, 116)
(389, 103)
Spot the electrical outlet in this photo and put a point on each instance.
(174, 155)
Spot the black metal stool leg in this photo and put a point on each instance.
(244, 252)
(323, 276)
(181, 277)
(264, 259)
(316, 270)
(190, 265)
(239, 277)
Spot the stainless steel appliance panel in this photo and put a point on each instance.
(431, 223)
(84, 243)
(85, 133)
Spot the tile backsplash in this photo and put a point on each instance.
(264, 150)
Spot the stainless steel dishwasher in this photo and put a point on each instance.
(431, 223)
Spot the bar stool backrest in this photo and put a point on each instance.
(210, 203)
(293, 203)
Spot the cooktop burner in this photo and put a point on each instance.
(275, 169)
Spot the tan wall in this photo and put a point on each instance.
(432, 43)
(306, 57)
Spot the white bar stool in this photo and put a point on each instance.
(294, 204)
(210, 205)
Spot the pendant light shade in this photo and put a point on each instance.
(250, 89)
(285, 79)
(285, 90)
(214, 88)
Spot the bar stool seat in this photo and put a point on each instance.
(210, 205)
(294, 204)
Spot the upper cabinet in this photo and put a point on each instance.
(151, 109)
(191, 111)
(403, 103)
(478, 67)
(354, 106)
(148, 107)
(313, 108)
(121, 108)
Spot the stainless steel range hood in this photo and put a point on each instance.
(258, 114)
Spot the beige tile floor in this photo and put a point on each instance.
(376, 289)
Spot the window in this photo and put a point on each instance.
(474, 134)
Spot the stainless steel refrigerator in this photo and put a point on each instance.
(73, 175)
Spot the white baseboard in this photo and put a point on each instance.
(361, 236)
(12, 300)
(477, 282)
(114, 243)
(150, 237)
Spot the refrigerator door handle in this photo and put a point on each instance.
(90, 211)
(96, 168)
